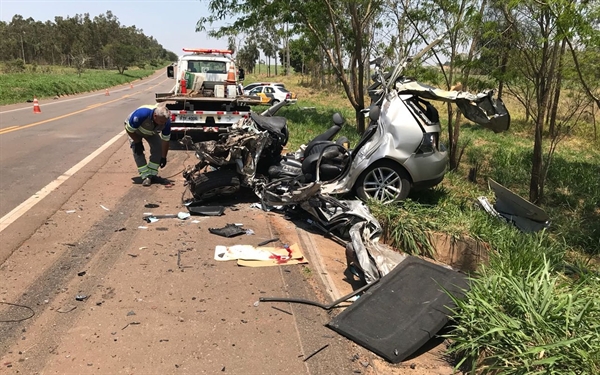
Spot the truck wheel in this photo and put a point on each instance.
(215, 183)
(385, 181)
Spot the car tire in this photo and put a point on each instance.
(274, 102)
(385, 181)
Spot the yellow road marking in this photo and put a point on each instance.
(10, 127)
(15, 128)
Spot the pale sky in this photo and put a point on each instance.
(171, 22)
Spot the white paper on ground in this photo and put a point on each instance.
(246, 252)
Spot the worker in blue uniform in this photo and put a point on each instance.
(152, 123)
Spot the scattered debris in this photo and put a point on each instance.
(143, 248)
(318, 304)
(154, 218)
(120, 229)
(206, 210)
(142, 227)
(81, 297)
(103, 207)
(516, 210)
(130, 324)
(81, 273)
(70, 211)
(230, 230)
(132, 255)
(66, 310)
(282, 310)
(131, 313)
(266, 242)
(151, 205)
(315, 353)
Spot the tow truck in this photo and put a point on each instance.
(207, 96)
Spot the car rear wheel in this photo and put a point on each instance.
(274, 102)
(384, 181)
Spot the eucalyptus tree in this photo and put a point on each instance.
(542, 29)
(339, 28)
(460, 22)
(78, 41)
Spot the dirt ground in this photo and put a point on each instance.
(112, 294)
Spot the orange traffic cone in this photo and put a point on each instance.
(36, 106)
(106, 93)
(231, 74)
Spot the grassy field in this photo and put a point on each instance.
(534, 309)
(58, 81)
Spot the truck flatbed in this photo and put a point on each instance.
(240, 100)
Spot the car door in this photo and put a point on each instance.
(258, 91)
(270, 92)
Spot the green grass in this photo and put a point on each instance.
(528, 321)
(19, 87)
(534, 309)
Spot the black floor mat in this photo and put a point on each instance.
(406, 309)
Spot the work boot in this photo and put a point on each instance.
(147, 181)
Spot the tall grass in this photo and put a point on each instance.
(528, 321)
(19, 87)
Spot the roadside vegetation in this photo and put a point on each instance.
(48, 82)
(534, 308)
(72, 55)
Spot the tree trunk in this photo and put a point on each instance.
(556, 99)
(287, 50)
(537, 161)
(543, 76)
(503, 68)
(360, 119)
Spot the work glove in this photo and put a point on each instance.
(163, 162)
(138, 148)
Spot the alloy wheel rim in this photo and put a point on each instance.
(383, 184)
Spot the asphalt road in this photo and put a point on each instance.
(35, 149)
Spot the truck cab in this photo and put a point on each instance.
(206, 96)
(203, 71)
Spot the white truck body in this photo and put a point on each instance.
(212, 100)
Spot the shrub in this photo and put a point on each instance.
(15, 66)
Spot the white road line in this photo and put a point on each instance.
(21, 209)
(79, 98)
